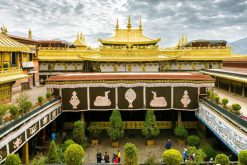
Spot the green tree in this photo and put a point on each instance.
(79, 133)
(193, 140)
(150, 129)
(21, 102)
(172, 157)
(224, 101)
(14, 111)
(53, 156)
(12, 159)
(199, 154)
(94, 130)
(130, 154)
(222, 159)
(3, 109)
(180, 132)
(74, 154)
(115, 130)
(39, 160)
(242, 157)
(209, 151)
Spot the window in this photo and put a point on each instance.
(30, 57)
(14, 58)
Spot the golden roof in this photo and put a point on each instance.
(129, 36)
(9, 45)
(9, 76)
(80, 41)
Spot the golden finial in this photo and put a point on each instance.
(117, 26)
(30, 34)
(81, 38)
(140, 26)
(4, 30)
(186, 39)
(78, 36)
(129, 23)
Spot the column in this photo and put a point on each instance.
(179, 118)
(243, 85)
(82, 116)
(25, 153)
(43, 135)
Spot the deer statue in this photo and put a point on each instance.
(158, 101)
(103, 100)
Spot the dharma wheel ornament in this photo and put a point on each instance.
(130, 96)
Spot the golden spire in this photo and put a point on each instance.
(117, 26)
(30, 34)
(78, 36)
(4, 30)
(129, 23)
(140, 26)
(81, 38)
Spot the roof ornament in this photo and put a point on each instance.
(140, 26)
(82, 38)
(30, 34)
(117, 26)
(129, 23)
(4, 30)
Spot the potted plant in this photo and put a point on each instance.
(115, 130)
(95, 132)
(181, 133)
(130, 154)
(193, 140)
(150, 129)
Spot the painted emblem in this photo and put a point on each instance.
(158, 101)
(130, 96)
(45, 120)
(53, 114)
(185, 99)
(33, 129)
(102, 100)
(17, 142)
(74, 101)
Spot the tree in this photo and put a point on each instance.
(150, 128)
(130, 154)
(12, 159)
(94, 130)
(53, 156)
(14, 111)
(224, 101)
(222, 159)
(199, 154)
(21, 102)
(66, 144)
(180, 132)
(242, 157)
(209, 151)
(115, 130)
(172, 157)
(3, 109)
(193, 140)
(74, 154)
(79, 133)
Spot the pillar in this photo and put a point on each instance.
(43, 135)
(25, 153)
(179, 118)
(243, 86)
(82, 116)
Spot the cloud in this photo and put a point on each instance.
(209, 19)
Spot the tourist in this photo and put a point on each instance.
(98, 156)
(53, 136)
(168, 144)
(107, 158)
(185, 154)
(118, 156)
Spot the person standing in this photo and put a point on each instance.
(185, 154)
(118, 156)
(168, 144)
(107, 158)
(98, 156)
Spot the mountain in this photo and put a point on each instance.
(239, 46)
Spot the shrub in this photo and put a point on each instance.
(66, 144)
(236, 107)
(180, 132)
(39, 160)
(21, 102)
(48, 95)
(53, 156)
(199, 154)
(79, 133)
(94, 130)
(217, 98)
(40, 99)
(12, 159)
(172, 157)
(27, 106)
(130, 154)
(193, 140)
(242, 157)
(14, 111)
(3, 109)
(209, 92)
(222, 159)
(74, 154)
(152, 161)
(150, 128)
(224, 101)
(115, 130)
(209, 151)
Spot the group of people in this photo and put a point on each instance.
(106, 157)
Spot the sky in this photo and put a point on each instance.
(165, 19)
